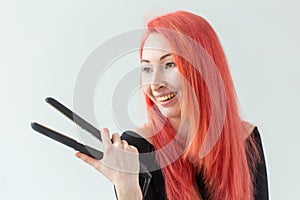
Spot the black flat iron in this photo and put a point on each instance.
(92, 152)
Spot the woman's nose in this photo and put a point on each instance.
(158, 80)
(157, 85)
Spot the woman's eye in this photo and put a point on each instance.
(170, 65)
(146, 69)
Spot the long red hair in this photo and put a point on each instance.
(218, 150)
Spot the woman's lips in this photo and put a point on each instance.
(167, 100)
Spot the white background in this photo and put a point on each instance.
(43, 45)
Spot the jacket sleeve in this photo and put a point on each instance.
(260, 178)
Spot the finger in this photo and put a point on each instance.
(125, 144)
(116, 139)
(105, 137)
(91, 161)
(133, 149)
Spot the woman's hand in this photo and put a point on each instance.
(120, 164)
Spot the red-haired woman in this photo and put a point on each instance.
(194, 144)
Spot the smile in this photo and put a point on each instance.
(166, 97)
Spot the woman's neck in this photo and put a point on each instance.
(175, 122)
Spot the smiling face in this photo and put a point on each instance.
(160, 77)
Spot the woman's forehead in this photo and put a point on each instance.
(155, 46)
(156, 41)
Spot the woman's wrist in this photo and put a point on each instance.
(129, 191)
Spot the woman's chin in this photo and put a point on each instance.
(170, 112)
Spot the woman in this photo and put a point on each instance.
(202, 147)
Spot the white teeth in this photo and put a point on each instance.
(166, 97)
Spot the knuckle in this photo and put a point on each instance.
(124, 142)
(97, 166)
(85, 158)
(117, 144)
(134, 148)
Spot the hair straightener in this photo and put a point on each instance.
(94, 153)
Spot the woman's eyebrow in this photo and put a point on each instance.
(161, 58)
(164, 56)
